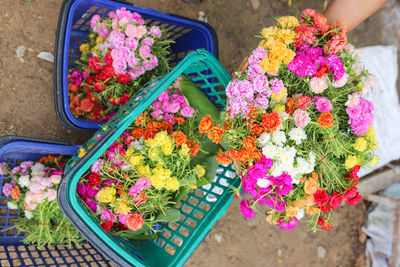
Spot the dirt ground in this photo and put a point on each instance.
(27, 109)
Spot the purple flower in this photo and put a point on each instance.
(246, 210)
(16, 169)
(322, 104)
(289, 225)
(7, 189)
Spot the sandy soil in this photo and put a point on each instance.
(27, 109)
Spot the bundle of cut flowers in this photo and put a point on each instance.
(298, 126)
(32, 191)
(119, 57)
(159, 159)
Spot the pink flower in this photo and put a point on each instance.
(322, 104)
(289, 225)
(55, 179)
(144, 51)
(353, 99)
(260, 84)
(51, 194)
(139, 71)
(122, 13)
(96, 165)
(132, 60)
(131, 43)
(46, 181)
(341, 82)
(141, 30)
(103, 31)
(276, 85)
(7, 189)
(131, 31)
(107, 215)
(119, 65)
(140, 185)
(246, 210)
(301, 118)
(187, 112)
(122, 218)
(318, 85)
(153, 61)
(36, 187)
(26, 164)
(155, 30)
(254, 71)
(16, 169)
(38, 197)
(368, 84)
(148, 41)
(116, 39)
(171, 107)
(147, 65)
(91, 204)
(3, 165)
(262, 101)
(94, 20)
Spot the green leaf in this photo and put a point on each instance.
(183, 191)
(131, 234)
(198, 100)
(210, 165)
(171, 215)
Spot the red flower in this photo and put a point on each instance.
(94, 179)
(324, 224)
(72, 87)
(354, 200)
(326, 208)
(95, 64)
(302, 102)
(354, 171)
(123, 78)
(109, 71)
(324, 69)
(336, 200)
(108, 59)
(99, 87)
(87, 105)
(321, 197)
(350, 193)
(107, 226)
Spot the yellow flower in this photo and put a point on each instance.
(161, 138)
(151, 142)
(281, 96)
(199, 170)
(268, 32)
(90, 146)
(156, 182)
(370, 133)
(95, 48)
(288, 22)
(161, 172)
(143, 170)
(270, 66)
(279, 107)
(154, 153)
(82, 152)
(107, 195)
(129, 152)
(286, 35)
(167, 148)
(193, 186)
(289, 56)
(373, 145)
(123, 208)
(360, 144)
(135, 159)
(352, 161)
(374, 161)
(91, 36)
(172, 184)
(100, 39)
(184, 150)
(84, 48)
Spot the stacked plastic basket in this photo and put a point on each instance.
(200, 209)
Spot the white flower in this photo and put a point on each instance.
(279, 137)
(269, 151)
(297, 135)
(358, 68)
(263, 139)
(276, 169)
(300, 214)
(341, 82)
(353, 99)
(23, 181)
(28, 214)
(12, 206)
(263, 183)
(38, 169)
(137, 144)
(303, 165)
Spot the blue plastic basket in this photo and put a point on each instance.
(73, 27)
(12, 251)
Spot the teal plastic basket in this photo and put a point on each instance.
(200, 209)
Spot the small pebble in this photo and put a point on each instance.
(46, 56)
(321, 251)
(218, 238)
(20, 51)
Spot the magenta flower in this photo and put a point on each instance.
(246, 210)
(289, 225)
(7, 189)
(107, 215)
(140, 185)
(187, 112)
(322, 104)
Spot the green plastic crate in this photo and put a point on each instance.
(200, 209)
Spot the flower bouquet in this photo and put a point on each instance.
(120, 56)
(33, 192)
(297, 125)
(159, 159)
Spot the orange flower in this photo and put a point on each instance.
(15, 194)
(291, 211)
(166, 125)
(195, 148)
(139, 119)
(179, 137)
(271, 121)
(252, 113)
(205, 124)
(326, 120)
(215, 135)
(249, 143)
(290, 105)
(223, 158)
(310, 186)
(134, 221)
(234, 154)
(179, 120)
(256, 129)
(312, 210)
(244, 156)
(309, 201)
(256, 155)
(148, 133)
(141, 198)
(121, 192)
(137, 132)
